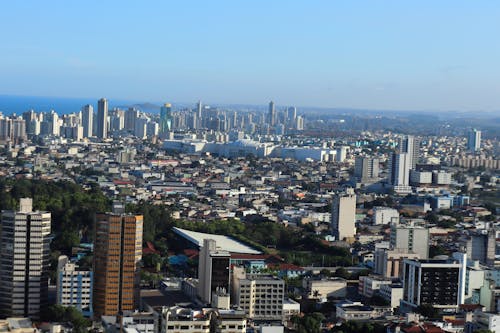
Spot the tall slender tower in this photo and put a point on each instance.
(344, 215)
(474, 140)
(271, 114)
(87, 120)
(24, 261)
(102, 118)
(213, 270)
(166, 118)
(410, 145)
(118, 244)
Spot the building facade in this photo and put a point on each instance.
(24, 261)
(118, 238)
(74, 286)
(344, 215)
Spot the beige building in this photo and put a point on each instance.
(324, 288)
(389, 263)
(180, 320)
(344, 215)
(411, 238)
(260, 296)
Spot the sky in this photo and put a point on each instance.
(399, 55)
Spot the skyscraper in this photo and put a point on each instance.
(118, 244)
(166, 118)
(87, 120)
(271, 116)
(24, 261)
(474, 140)
(131, 116)
(410, 145)
(344, 215)
(366, 169)
(400, 170)
(102, 118)
(213, 270)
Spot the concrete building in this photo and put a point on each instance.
(213, 271)
(118, 236)
(399, 177)
(370, 284)
(132, 322)
(411, 146)
(366, 169)
(24, 261)
(87, 120)
(481, 246)
(74, 286)
(420, 177)
(392, 293)
(411, 238)
(436, 282)
(260, 296)
(389, 263)
(385, 215)
(344, 215)
(177, 319)
(102, 118)
(324, 288)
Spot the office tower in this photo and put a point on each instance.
(213, 271)
(481, 247)
(74, 286)
(117, 121)
(411, 146)
(344, 215)
(130, 117)
(291, 115)
(366, 169)
(400, 169)
(102, 118)
(199, 108)
(271, 115)
(435, 282)
(24, 261)
(118, 244)
(87, 120)
(166, 118)
(411, 238)
(260, 296)
(299, 123)
(474, 140)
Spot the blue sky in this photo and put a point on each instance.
(414, 55)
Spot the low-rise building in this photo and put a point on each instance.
(325, 287)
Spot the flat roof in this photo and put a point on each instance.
(222, 242)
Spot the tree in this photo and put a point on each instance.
(428, 310)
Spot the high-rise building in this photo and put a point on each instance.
(102, 118)
(411, 238)
(411, 146)
(291, 115)
(482, 247)
(166, 118)
(24, 261)
(435, 282)
(87, 120)
(213, 271)
(366, 169)
(271, 115)
(260, 296)
(118, 244)
(474, 140)
(344, 215)
(400, 166)
(131, 116)
(74, 286)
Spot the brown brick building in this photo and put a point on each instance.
(117, 252)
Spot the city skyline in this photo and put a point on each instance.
(370, 55)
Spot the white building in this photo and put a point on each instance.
(385, 215)
(344, 215)
(324, 288)
(25, 251)
(400, 166)
(420, 177)
(213, 271)
(392, 293)
(74, 286)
